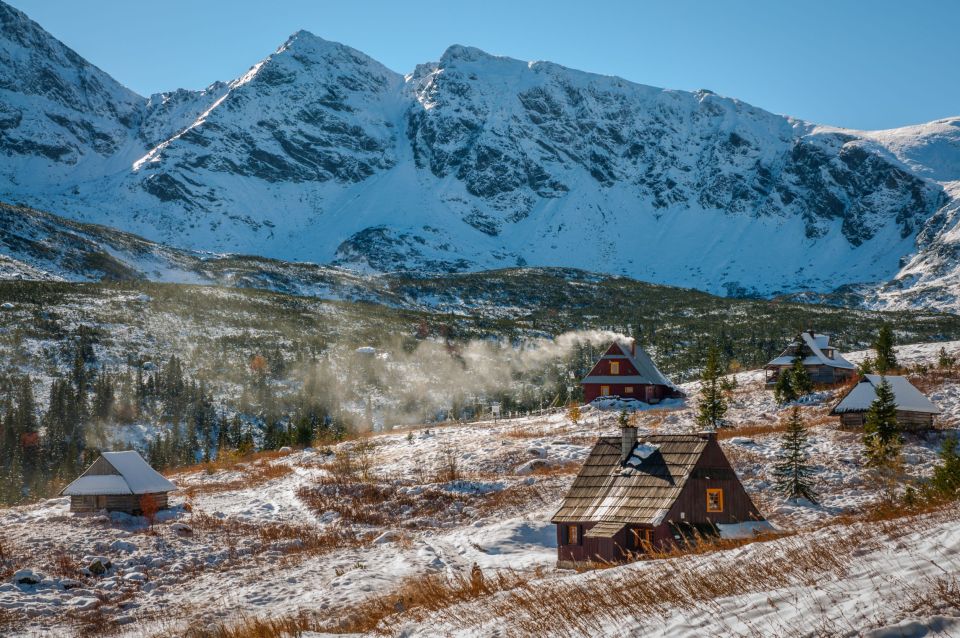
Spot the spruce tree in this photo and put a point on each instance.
(713, 405)
(881, 433)
(792, 471)
(885, 359)
(946, 475)
(946, 361)
(783, 391)
(800, 378)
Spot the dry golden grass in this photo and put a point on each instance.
(291, 539)
(751, 429)
(525, 432)
(423, 594)
(252, 474)
(227, 461)
(385, 503)
(254, 627)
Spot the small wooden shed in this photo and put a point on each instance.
(117, 482)
(914, 410)
(633, 496)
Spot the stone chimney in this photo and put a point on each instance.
(628, 440)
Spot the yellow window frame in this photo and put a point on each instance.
(614, 367)
(604, 390)
(717, 504)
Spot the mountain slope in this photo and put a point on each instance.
(321, 154)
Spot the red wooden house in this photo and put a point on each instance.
(631, 497)
(626, 371)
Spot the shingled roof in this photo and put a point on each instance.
(639, 492)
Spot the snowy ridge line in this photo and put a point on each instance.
(320, 154)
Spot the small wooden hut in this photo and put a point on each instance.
(631, 497)
(914, 410)
(824, 364)
(117, 482)
(626, 371)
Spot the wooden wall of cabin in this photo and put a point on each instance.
(129, 503)
(907, 420)
(691, 504)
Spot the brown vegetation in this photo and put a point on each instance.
(251, 475)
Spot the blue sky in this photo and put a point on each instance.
(860, 64)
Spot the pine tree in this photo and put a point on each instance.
(881, 433)
(946, 361)
(783, 391)
(800, 378)
(792, 472)
(946, 475)
(713, 405)
(885, 359)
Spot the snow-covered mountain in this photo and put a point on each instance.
(319, 153)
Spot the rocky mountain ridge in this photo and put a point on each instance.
(319, 153)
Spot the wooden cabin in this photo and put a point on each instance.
(626, 371)
(633, 496)
(914, 410)
(117, 482)
(824, 364)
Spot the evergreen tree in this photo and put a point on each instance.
(783, 391)
(792, 472)
(885, 359)
(881, 433)
(713, 405)
(800, 378)
(946, 475)
(946, 361)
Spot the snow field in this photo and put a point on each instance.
(243, 537)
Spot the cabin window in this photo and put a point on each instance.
(628, 389)
(573, 534)
(614, 367)
(604, 390)
(715, 500)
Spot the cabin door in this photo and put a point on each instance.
(648, 393)
(101, 502)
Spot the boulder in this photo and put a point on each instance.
(531, 466)
(181, 528)
(387, 537)
(99, 565)
(122, 546)
(26, 577)
(70, 583)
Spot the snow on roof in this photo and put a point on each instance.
(648, 372)
(907, 397)
(98, 484)
(817, 343)
(135, 475)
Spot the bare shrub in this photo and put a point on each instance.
(448, 466)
